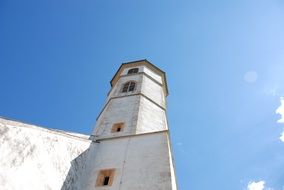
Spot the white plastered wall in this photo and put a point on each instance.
(140, 162)
(34, 158)
(151, 73)
(123, 109)
(151, 117)
(153, 91)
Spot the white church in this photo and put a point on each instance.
(129, 148)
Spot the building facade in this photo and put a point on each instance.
(129, 148)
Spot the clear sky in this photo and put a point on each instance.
(224, 62)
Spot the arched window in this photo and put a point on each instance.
(132, 71)
(129, 86)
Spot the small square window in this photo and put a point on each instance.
(105, 177)
(117, 127)
(132, 71)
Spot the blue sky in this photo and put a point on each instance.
(224, 62)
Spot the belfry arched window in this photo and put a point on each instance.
(129, 86)
(132, 71)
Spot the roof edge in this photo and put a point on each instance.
(69, 134)
(141, 60)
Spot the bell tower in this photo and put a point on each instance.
(133, 150)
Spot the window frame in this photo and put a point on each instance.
(103, 175)
(116, 126)
(133, 71)
(128, 86)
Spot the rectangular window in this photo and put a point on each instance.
(132, 71)
(117, 127)
(105, 177)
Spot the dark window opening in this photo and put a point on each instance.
(129, 86)
(132, 71)
(125, 88)
(105, 177)
(106, 180)
(117, 127)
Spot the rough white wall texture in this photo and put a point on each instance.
(124, 109)
(34, 158)
(153, 91)
(151, 73)
(147, 163)
(151, 118)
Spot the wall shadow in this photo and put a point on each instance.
(80, 170)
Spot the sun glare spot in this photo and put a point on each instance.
(250, 76)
